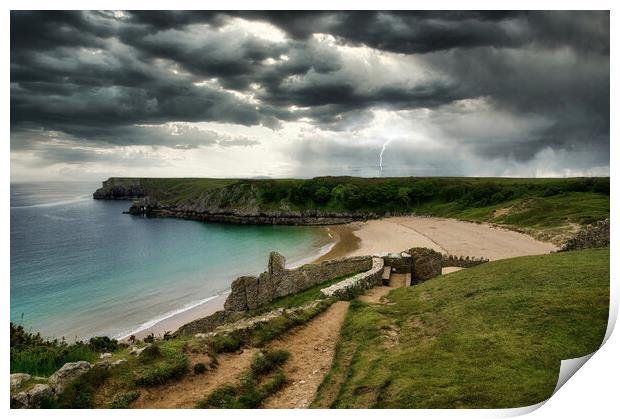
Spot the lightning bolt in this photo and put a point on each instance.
(381, 156)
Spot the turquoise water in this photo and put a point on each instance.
(80, 267)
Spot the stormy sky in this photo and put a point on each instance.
(301, 94)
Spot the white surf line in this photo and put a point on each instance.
(153, 322)
(322, 251)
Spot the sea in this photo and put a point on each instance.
(82, 268)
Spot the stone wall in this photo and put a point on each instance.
(593, 236)
(399, 262)
(209, 323)
(461, 261)
(425, 264)
(250, 292)
(358, 284)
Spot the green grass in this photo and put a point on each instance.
(32, 354)
(123, 400)
(230, 342)
(266, 361)
(265, 332)
(80, 394)
(548, 218)
(491, 336)
(249, 393)
(45, 361)
(159, 365)
(574, 207)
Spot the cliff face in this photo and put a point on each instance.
(117, 188)
(214, 201)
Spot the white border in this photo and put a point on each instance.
(593, 391)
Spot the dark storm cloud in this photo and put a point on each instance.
(100, 77)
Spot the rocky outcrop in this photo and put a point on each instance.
(67, 373)
(242, 217)
(426, 264)
(356, 285)
(118, 188)
(250, 292)
(18, 379)
(143, 206)
(32, 398)
(461, 261)
(596, 235)
(237, 202)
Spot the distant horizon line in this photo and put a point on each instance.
(305, 178)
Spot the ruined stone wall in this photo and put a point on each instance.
(209, 323)
(596, 235)
(250, 292)
(461, 261)
(357, 284)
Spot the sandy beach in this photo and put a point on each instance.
(395, 234)
(444, 235)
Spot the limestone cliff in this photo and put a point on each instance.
(215, 200)
(119, 188)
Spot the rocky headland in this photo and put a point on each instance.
(225, 202)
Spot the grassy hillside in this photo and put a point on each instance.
(557, 207)
(491, 336)
(551, 218)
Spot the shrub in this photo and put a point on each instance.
(200, 368)
(80, 394)
(275, 384)
(150, 353)
(268, 331)
(226, 343)
(103, 344)
(267, 361)
(162, 364)
(123, 400)
(223, 397)
(246, 395)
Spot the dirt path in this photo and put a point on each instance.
(311, 346)
(312, 349)
(191, 388)
(374, 295)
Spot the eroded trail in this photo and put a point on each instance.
(311, 346)
(186, 392)
(312, 349)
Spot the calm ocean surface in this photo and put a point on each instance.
(81, 267)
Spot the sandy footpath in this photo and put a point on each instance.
(396, 234)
